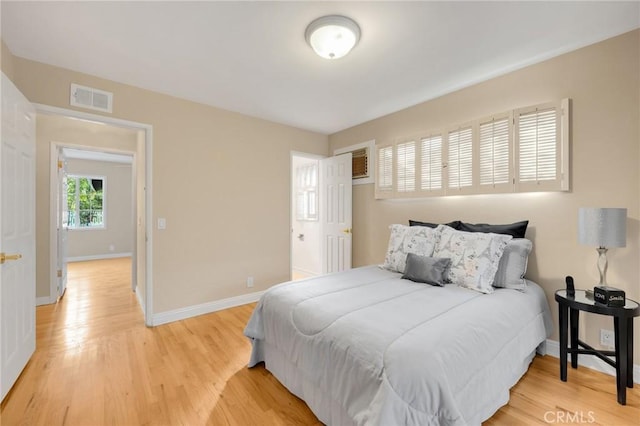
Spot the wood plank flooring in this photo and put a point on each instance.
(97, 364)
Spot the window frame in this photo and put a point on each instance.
(561, 182)
(77, 178)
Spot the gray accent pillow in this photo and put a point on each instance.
(513, 265)
(428, 270)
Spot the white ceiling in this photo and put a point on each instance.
(251, 57)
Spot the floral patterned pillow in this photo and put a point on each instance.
(404, 239)
(474, 257)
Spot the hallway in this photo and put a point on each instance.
(98, 302)
(96, 363)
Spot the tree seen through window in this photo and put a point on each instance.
(85, 202)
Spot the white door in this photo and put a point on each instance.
(17, 235)
(335, 212)
(62, 223)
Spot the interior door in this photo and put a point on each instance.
(17, 235)
(335, 212)
(62, 223)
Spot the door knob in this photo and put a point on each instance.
(347, 231)
(5, 257)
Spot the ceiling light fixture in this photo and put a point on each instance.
(332, 36)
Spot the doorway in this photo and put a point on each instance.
(141, 179)
(94, 205)
(305, 223)
(321, 214)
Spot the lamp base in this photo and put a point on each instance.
(602, 265)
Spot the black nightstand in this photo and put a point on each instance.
(623, 329)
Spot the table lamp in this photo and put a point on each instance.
(603, 228)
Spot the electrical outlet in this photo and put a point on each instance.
(249, 281)
(607, 338)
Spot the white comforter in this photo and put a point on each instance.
(369, 348)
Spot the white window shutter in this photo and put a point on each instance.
(495, 154)
(460, 161)
(406, 167)
(541, 143)
(384, 172)
(430, 167)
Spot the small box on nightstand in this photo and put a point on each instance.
(609, 296)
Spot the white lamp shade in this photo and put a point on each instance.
(602, 227)
(333, 36)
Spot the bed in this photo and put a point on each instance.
(366, 347)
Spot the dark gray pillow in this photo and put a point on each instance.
(455, 224)
(428, 270)
(516, 230)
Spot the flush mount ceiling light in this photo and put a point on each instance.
(332, 36)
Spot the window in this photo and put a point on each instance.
(384, 179)
(460, 158)
(307, 192)
(431, 163)
(85, 202)
(523, 150)
(495, 152)
(406, 167)
(542, 134)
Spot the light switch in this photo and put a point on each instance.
(162, 223)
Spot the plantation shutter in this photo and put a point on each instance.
(406, 167)
(495, 154)
(431, 164)
(541, 149)
(384, 176)
(460, 159)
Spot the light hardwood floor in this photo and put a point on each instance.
(97, 364)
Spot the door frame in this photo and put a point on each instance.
(55, 148)
(148, 173)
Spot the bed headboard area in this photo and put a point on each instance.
(480, 256)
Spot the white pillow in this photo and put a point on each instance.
(474, 256)
(403, 240)
(513, 265)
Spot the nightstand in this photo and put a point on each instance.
(569, 309)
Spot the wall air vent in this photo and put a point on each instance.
(88, 97)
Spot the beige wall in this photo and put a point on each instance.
(603, 81)
(220, 179)
(117, 236)
(65, 131)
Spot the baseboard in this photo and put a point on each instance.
(205, 308)
(592, 362)
(98, 257)
(45, 300)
